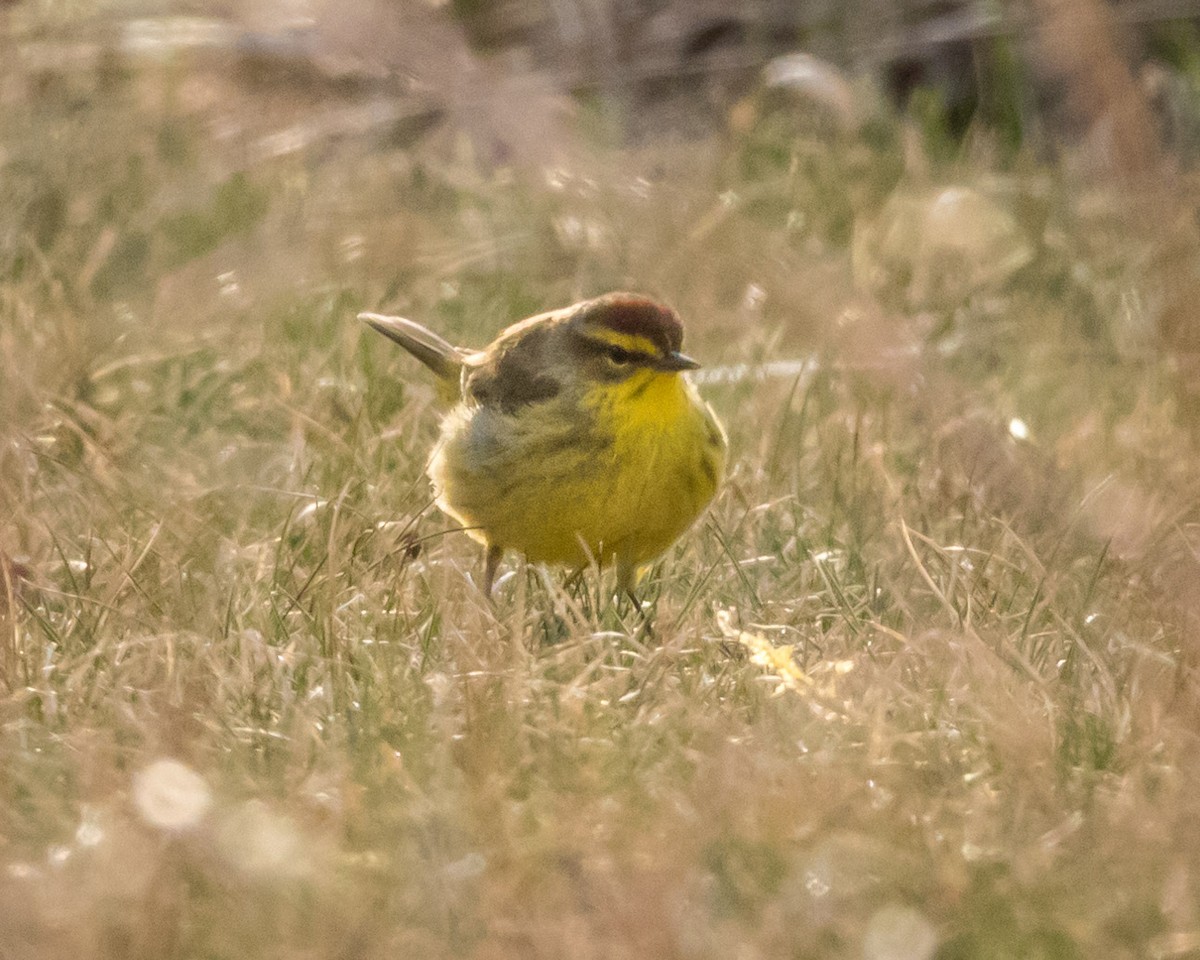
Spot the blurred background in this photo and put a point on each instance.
(152, 147)
(886, 155)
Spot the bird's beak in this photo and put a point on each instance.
(674, 362)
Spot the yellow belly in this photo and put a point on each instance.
(614, 477)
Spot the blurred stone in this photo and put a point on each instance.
(262, 842)
(814, 83)
(936, 248)
(981, 464)
(897, 932)
(170, 795)
(846, 865)
(1126, 517)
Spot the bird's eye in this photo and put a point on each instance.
(619, 355)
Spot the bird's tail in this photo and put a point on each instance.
(443, 358)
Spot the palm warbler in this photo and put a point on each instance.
(573, 437)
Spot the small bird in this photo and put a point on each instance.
(573, 438)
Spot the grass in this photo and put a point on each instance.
(922, 682)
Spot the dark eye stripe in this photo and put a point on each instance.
(616, 354)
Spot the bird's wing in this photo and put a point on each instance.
(515, 372)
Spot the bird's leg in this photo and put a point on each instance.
(573, 580)
(575, 587)
(627, 581)
(647, 624)
(494, 554)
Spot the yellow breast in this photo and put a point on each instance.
(614, 476)
(673, 451)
